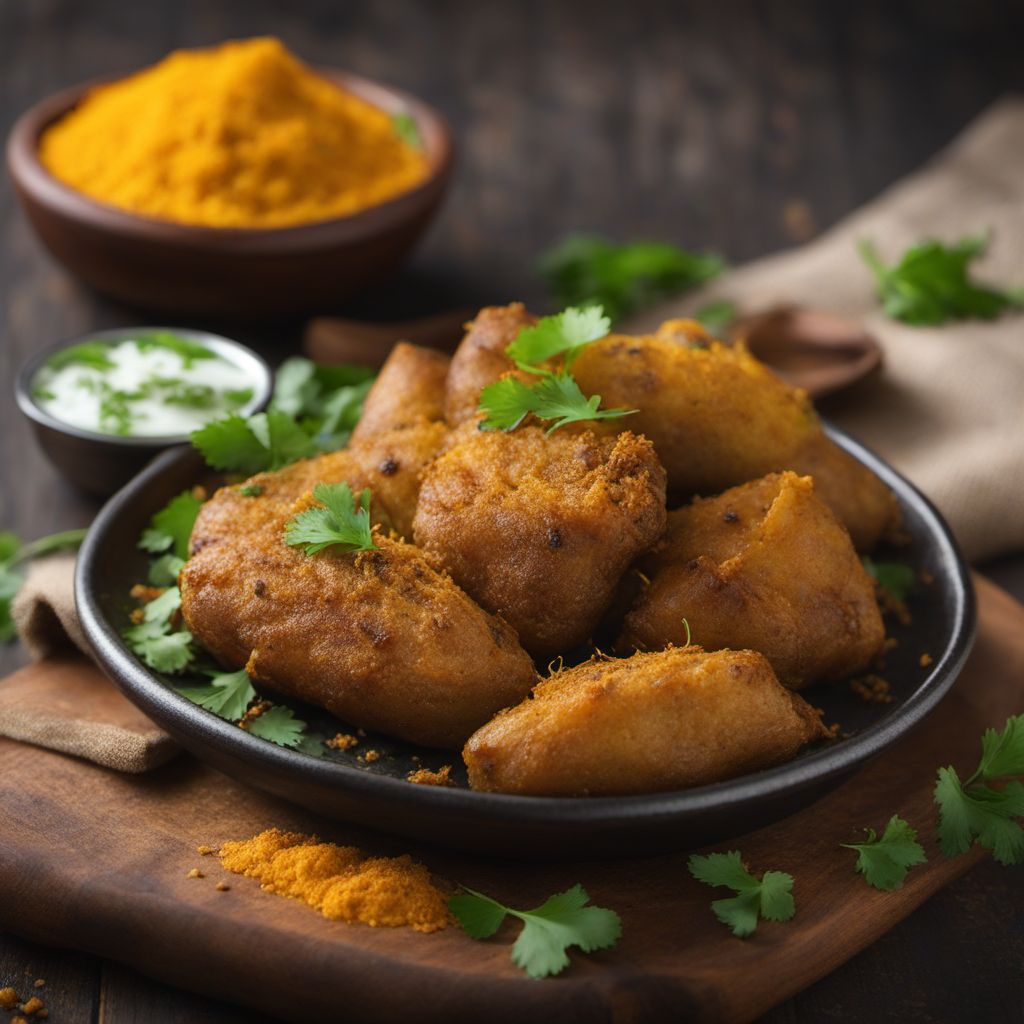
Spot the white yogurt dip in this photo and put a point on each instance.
(155, 385)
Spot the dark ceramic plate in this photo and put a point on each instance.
(377, 795)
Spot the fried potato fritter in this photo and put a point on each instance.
(379, 638)
(718, 417)
(480, 358)
(648, 723)
(539, 528)
(765, 566)
(409, 391)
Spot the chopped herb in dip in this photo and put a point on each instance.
(158, 384)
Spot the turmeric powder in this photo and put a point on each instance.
(340, 881)
(242, 135)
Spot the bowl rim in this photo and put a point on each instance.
(32, 178)
(218, 343)
(156, 698)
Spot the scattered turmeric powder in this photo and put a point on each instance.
(195, 873)
(426, 777)
(241, 135)
(341, 881)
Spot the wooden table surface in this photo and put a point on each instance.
(726, 125)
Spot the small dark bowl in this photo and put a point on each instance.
(377, 795)
(163, 265)
(103, 463)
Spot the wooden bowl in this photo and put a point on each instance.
(163, 265)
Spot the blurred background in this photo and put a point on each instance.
(737, 127)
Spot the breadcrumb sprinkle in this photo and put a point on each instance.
(872, 689)
(342, 741)
(426, 777)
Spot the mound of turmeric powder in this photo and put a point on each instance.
(340, 881)
(241, 135)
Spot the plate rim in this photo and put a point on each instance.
(148, 691)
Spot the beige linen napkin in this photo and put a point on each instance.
(947, 409)
(62, 701)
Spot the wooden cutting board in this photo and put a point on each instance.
(97, 860)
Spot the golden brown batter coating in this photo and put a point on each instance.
(390, 464)
(718, 418)
(480, 358)
(764, 566)
(379, 638)
(652, 722)
(539, 528)
(408, 391)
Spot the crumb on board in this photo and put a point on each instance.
(19, 1020)
(342, 741)
(204, 851)
(925, 660)
(8, 998)
(872, 689)
(426, 777)
(195, 873)
(222, 887)
(39, 983)
(255, 711)
(370, 756)
(32, 1006)
(833, 730)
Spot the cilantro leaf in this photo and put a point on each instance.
(554, 397)
(584, 270)
(716, 316)
(159, 649)
(931, 284)
(171, 527)
(227, 695)
(279, 725)
(406, 128)
(230, 445)
(163, 571)
(12, 553)
(562, 921)
(769, 897)
(895, 577)
(1003, 753)
(884, 860)
(342, 521)
(564, 334)
(188, 350)
(972, 811)
(94, 354)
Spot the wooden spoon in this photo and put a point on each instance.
(333, 340)
(818, 351)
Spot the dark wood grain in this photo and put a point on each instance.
(702, 123)
(125, 891)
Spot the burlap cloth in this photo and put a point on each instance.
(947, 409)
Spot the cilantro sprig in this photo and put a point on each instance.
(587, 269)
(974, 811)
(770, 896)
(555, 396)
(156, 641)
(341, 521)
(561, 921)
(405, 127)
(885, 860)
(314, 409)
(227, 694)
(14, 553)
(931, 284)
